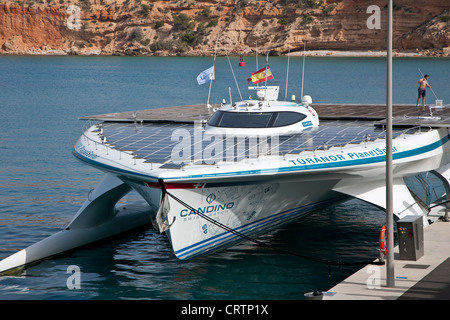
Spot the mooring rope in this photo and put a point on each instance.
(261, 243)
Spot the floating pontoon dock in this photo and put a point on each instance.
(428, 278)
(403, 115)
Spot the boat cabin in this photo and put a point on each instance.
(266, 115)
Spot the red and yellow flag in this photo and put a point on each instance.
(260, 75)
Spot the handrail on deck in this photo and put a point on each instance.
(247, 154)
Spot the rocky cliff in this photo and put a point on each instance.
(149, 27)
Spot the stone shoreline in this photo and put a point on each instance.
(335, 53)
(308, 53)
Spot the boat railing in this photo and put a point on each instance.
(356, 140)
(254, 152)
(103, 142)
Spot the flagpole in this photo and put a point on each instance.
(267, 66)
(256, 55)
(214, 65)
(209, 92)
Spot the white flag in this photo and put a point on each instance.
(206, 76)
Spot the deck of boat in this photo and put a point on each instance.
(403, 115)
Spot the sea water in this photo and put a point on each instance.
(42, 185)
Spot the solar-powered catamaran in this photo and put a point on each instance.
(210, 174)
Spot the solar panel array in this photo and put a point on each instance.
(175, 145)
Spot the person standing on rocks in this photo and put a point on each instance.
(423, 84)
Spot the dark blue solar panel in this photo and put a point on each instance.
(165, 143)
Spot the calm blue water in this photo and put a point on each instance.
(42, 185)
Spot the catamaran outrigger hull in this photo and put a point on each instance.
(96, 220)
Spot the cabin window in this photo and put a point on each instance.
(254, 119)
(287, 118)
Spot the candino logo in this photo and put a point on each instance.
(216, 208)
(211, 198)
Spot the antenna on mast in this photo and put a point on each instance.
(303, 71)
(240, 95)
(287, 72)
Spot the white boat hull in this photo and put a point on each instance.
(249, 196)
(264, 198)
(250, 208)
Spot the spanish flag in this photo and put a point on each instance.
(260, 75)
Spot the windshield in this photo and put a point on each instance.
(254, 119)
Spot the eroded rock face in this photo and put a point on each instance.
(146, 27)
